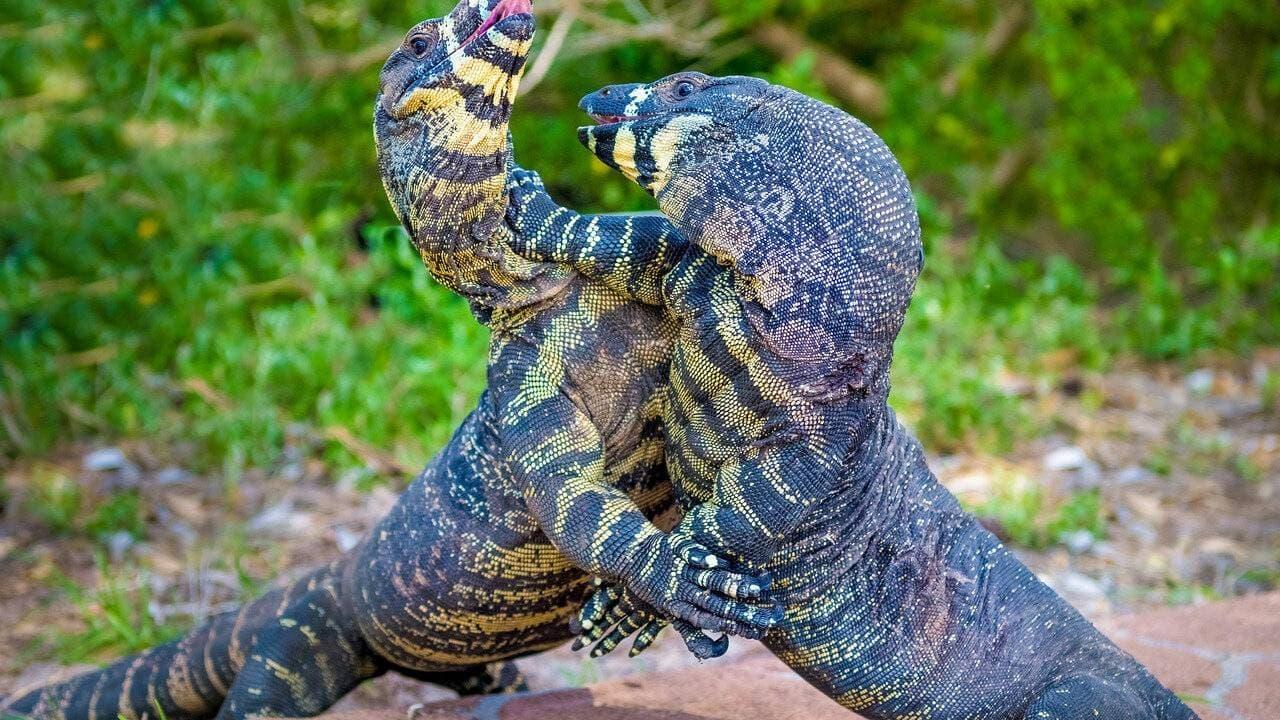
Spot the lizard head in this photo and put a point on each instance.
(651, 131)
(444, 149)
(803, 203)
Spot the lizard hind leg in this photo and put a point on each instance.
(186, 679)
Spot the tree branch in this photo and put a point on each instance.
(851, 84)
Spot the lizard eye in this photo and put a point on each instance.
(684, 89)
(419, 45)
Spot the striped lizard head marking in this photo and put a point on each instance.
(477, 52)
(441, 129)
(804, 204)
(650, 132)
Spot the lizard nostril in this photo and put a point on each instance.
(604, 92)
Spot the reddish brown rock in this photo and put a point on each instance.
(1250, 624)
(718, 692)
(1224, 658)
(1259, 694)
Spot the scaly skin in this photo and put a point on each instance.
(460, 575)
(804, 248)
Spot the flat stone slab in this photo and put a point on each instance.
(1223, 658)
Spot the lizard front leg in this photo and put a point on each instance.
(558, 455)
(630, 253)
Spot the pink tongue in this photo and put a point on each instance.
(504, 10)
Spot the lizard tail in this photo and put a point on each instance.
(186, 679)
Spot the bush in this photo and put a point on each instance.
(194, 243)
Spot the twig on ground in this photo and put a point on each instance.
(377, 459)
(1009, 25)
(241, 29)
(206, 392)
(287, 285)
(323, 67)
(86, 358)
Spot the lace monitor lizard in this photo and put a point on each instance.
(461, 573)
(803, 252)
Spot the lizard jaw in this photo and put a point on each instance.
(503, 10)
(602, 119)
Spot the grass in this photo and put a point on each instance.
(195, 246)
(1027, 517)
(59, 503)
(116, 615)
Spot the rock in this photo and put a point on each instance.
(292, 472)
(105, 460)
(1080, 586)
(1066, 458)
(281, 520)
(1223, 657)
(346, 538)
(1077, 542)
(1199, 382)
(118, 543)
(1132, 475)
(171, 475)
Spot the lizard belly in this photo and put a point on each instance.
(460, 572)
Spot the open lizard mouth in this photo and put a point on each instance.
(396, 92)
(500, 12)
(602, 119)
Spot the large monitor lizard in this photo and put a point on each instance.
(803, 253)
(460, 574)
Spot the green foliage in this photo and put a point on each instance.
(194, 243)
(116, 616)
(121, 513)
(54, 500)
(1083, 510)
(1188, 594)
(58, 502)
(1026, 517)
(1271, 391)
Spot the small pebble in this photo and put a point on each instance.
(1077, 542)
(346, 538)
(1200, 382)
(105, 459)
(171, 475)
(1081, 586)
(119, 543)
(1132, 475)
(1066, 458)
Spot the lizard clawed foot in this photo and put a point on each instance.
(612, 607)
(683, 580)
(677, 580)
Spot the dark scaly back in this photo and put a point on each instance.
(805, 201)
(424, 598)
(461, 97)
(920, 612)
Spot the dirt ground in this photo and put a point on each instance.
(1187, 466)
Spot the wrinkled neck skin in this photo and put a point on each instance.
(445, 154)
(454, 210)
